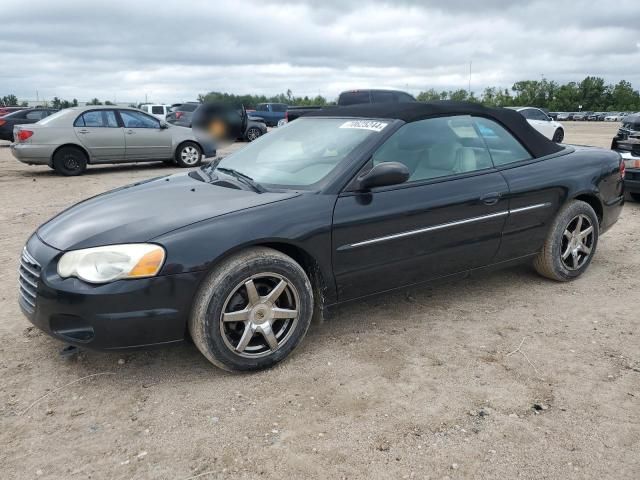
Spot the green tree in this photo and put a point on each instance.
(95, 101)
(9, 100)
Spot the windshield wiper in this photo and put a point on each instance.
(246, 179)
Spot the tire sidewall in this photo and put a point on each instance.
(178, 155)
(560, 225)
(220, 287)
(558, 135)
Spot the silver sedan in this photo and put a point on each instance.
(71, 139)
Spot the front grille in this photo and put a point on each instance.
(29, 277)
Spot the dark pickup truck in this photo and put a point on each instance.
(355, 97)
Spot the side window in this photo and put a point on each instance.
(436, 147)
(110, 119)
(405, 98)
(93, 119)
(36, 115)
(503, 147)
(262, 108)
(157, 110)
(278, 107)
(539, 115)
(133, 119)
(354, 98)
(384, 97)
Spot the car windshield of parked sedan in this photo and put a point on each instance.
(302, 152)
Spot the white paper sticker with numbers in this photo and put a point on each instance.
(372, 125)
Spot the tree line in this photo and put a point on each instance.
(592, 93)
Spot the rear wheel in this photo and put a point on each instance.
(188, 155)
(253, 133)
(571, 243)
(69, 161)
(252, 310)
(558, 136)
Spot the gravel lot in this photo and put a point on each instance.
(416, 384)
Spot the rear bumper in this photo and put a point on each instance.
(32, 154)
(119, 315)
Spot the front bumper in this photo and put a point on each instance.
(119, 315)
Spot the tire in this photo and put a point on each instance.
(188, 154)
(558, 136)
(253, 133)
(70, 161)
(563, 241)
(635, 196)
(225, 295)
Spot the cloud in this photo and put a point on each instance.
(172, 51)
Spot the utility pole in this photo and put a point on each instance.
(470, 62)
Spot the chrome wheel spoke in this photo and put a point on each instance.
(276, 292)
(247, 335)
(269, 336)
(584, 248)
(281, 313)
(574, 258)
(578, 225)
(584, 233)
(239, 316)
(252, 293)
(568, 234)
(566, 253)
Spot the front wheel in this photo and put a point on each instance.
(252, 310)
(571, 243)
(189, 154)
(558, 136)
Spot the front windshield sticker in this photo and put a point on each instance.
(365, 125)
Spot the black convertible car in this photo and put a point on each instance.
(341, 204)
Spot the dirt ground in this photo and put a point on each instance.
(416, 384)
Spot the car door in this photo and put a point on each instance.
(144, 139)
(534, 191)
(447, 218)
(101, 134)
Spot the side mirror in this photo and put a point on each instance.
(383, 174)
(163, 125)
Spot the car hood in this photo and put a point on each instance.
(142, 211)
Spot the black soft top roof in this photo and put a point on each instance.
(537, 144)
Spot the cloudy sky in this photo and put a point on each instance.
(172, 51)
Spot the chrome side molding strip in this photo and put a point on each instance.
(443, 226)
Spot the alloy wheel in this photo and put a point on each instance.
(190, 155)
(259, 315)
(577, 242)
(252, 134)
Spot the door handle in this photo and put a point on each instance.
(490, 198)
(130, 132)
(84, 130)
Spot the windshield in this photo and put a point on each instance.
(302, 152)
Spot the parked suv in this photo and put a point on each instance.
(157, 110)
(271, 113)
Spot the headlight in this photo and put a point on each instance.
(112, 262)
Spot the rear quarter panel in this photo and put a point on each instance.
(556, 180)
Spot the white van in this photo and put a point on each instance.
(158, 111)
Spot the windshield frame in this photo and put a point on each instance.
(342, 173)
